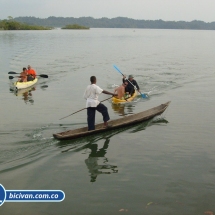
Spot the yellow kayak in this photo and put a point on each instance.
(119, 101)
(23, 85)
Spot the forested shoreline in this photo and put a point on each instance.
(119, 22)
(11, 24)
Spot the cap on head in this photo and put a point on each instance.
(130, 76)
(29, 66)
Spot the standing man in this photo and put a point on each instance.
(92, 104)
(130, 88)
(31, 74)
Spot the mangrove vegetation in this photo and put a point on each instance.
(11, 24)
(75, 27)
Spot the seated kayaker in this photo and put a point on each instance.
(31, 74)
(131, 83)
(23, 75)
(121, 90)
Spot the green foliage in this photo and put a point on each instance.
(14, 25)
(119, 22)
(75, 26)
(10, 17)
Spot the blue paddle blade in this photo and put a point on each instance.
(144, 96)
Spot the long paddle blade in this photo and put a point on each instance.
(142, 94)
(11, 77)
(11, 72)
(43, 76)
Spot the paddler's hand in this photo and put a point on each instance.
(124, 77)
(114, 94)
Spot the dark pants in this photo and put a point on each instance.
(91, 115)
(30, 78)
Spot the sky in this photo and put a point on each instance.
(167, 10)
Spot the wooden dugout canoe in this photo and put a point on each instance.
(117, 123)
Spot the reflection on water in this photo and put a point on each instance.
(142, 126)
(28, 97)
(123, 109)
(97, 163)
(26, 94)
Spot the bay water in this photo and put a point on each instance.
(162, 166)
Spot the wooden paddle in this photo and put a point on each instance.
(42, 75)
(142, 94)
(82, 109)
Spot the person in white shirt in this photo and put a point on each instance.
(92, 104)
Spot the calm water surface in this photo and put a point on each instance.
(162, 166)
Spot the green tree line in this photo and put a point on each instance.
(119, 22)
(11, 24)
(74, 26)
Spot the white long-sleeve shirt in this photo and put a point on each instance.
(91, 94)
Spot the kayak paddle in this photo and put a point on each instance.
(142, 94)
(42, 75)
(11, 77)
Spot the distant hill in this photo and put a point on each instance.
(119, 22)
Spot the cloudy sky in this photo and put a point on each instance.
(167, 10)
